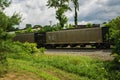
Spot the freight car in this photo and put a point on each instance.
(97, 36)
(25, 37)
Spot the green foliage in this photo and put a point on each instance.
(6, 23)
(113, 70)
(82, 66)
(42, 50)
(46, 28)
(4, 4)
(68, 26)
(61, 7)
(49, 28)
(61, 17)
(3, 63)
(57, 27)
(15, 19)
(9, 46)
(76, 7)
(19, 50)
(19, 31)
(5, 35)
(114, 25)
(31, 47)
(28, 26)
(3, 60)
(89, 25)
(28, 30)
(37, 26)
(26, 47)
(57, 3)
(3, 21)
(76, 4)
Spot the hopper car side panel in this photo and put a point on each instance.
(76, 36)
(26, 37)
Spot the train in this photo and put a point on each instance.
(97, 37)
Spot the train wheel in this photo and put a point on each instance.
(82, 45)
(72, 45)
(39, 45)
(99, 46)
(53, 46)
(48, 46)
(107, 46)
(65, 45)
(93, 46)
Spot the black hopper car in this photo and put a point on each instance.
(97, 36)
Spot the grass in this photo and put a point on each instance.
(60, 67)
(41, 69)
(79, 65)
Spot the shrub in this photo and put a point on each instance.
(31, 47)
(42, 50)
(3, 60)
(113, 70)
(17, 49)
(3, 63)
(114, 25)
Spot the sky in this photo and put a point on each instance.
(36, 12)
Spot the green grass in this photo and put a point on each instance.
(63, 67)
(79, 65)
(28, 66)
(43, 70)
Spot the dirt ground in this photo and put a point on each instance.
(20, 76)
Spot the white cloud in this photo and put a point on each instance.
(36, 11)
(32, 11)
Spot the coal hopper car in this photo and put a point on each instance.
(25, 37)
(97, 36)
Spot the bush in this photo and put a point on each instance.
(42, 50)
(113, 70)
(3, 60)
(114, 25)
(3, 63)
(31, 47)
(19, 50)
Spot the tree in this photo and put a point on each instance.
(61, 7)
(15, 19)
(76, 6)
(28, 26)
(4, 4)
(89, 25)
(6, 23)
(46, 28)
(37, 26)
(114, 25)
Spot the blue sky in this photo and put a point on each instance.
(36, 11)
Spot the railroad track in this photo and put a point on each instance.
(103, 54)
(78, 50)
